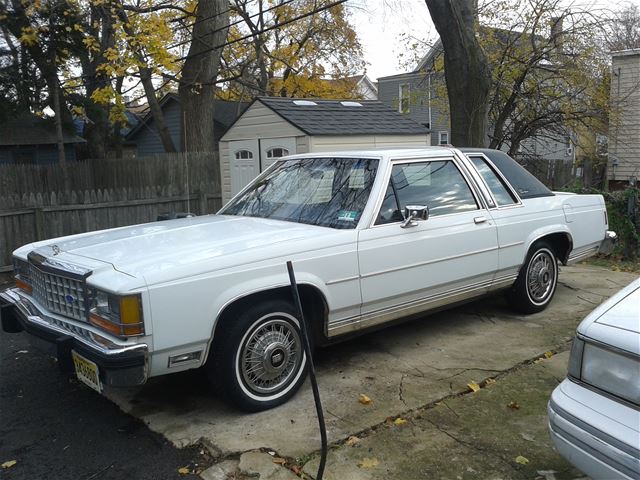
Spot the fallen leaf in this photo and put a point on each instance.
(184, 470)
(528, 437)
(399, 421)
(473, 386)
(296, 469)
(490, 381)
(368, 462)
(514, 405)
(522, 460)
(279, 460)
(351, 441)
(8, 464)
(548, 354)
(364, 400)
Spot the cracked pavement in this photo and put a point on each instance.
(402, 369)
(418, 372)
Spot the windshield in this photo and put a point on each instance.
(329, 192)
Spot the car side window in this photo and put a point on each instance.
(497, 186)
(439, 185)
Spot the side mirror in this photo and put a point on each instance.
(412, 213)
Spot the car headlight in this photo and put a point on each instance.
(605, 369)
(120, 315)
(22, 274)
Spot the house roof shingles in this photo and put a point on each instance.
(29, 129)
(336, 117)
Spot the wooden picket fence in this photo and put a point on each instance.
(107, 194)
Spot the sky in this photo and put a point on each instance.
(380, 23)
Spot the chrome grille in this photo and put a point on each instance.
(60, 294)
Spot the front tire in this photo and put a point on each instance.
(537, 281)
(258, 356)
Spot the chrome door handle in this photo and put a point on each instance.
(480, 220)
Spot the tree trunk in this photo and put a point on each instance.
(199, 73)
(62, 159)
(466, 68)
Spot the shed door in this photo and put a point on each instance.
(274, 148)
(245, 163)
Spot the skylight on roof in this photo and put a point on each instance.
(304, 103)
(351, 104)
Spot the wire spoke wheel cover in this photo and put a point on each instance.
(270, 354)
(541, 276)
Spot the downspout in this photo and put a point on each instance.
(429, 100)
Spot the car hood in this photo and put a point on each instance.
(617, 321)
(138, 249)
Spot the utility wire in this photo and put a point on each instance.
(237, 22)
(264, 30)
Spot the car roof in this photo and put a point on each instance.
(380, 153)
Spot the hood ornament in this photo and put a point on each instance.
(56, 249)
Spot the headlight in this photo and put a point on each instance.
(609, 371)
(120, 315)
(22, 274)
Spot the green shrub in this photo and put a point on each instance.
(623, 209)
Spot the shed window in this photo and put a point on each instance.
(244, 154)
(277, 152)
(443, 138)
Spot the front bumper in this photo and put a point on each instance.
(119, 364)
(608, 243)
(595, 441)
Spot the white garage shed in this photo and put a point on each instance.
(272, 127)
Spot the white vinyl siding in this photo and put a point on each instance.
(624, 123)
(360, 142)
(260, 121)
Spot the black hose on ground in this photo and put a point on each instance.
(312, 371)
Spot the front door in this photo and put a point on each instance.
(450, 256)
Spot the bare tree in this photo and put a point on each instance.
(623, 30)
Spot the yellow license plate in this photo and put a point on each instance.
(87, 371)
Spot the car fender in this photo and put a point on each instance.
(263, 284)
(542, 232)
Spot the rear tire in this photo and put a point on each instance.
(257, 359)
(537, 281)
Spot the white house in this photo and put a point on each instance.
(272, 127)
(624, 121)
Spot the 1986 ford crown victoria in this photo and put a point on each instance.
(374, 236)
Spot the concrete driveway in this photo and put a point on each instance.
(400, 368)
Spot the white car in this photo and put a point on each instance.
(374, 236)
(594, 414)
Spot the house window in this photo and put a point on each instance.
(244, 154)
(443, 138)
(277, 152)
(403, 102)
